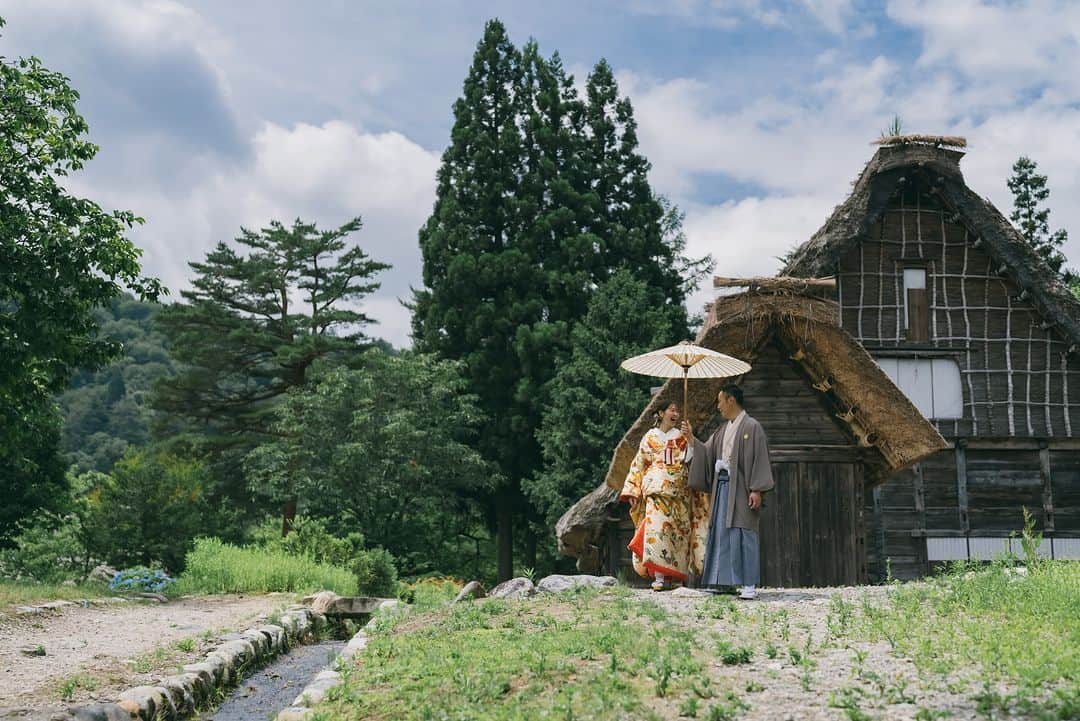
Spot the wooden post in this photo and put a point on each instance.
(879, 528)
(961, 486)
(1047, 487)
(920, 516)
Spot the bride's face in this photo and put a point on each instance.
(671, 415)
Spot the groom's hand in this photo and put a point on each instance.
(755, 500)
(687, 430)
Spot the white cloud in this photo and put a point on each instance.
(327, 174)
(746, 237)
(1011, 45)
(730, 14)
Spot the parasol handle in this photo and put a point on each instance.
(685, 393)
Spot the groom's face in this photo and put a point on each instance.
(726, 405)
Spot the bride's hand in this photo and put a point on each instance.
(687, 429)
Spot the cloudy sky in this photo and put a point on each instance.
(756, 115)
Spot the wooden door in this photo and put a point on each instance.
(811, 525)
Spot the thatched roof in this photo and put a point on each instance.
(954, 141)
(895, 167)
(874, 412)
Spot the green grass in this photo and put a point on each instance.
(70, 685)
(216, 567)
(584, 655)
(1010, 624)
(18, 593)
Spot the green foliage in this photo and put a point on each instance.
(592, 401)
(148, 511)
(375, 573)
(47, 548)
(62, 256)
(1029, 192)
(310, 538)
(383, 448)
(107, 412)
(241, 342)
(215, 567)
(895, 129)
(542, 195)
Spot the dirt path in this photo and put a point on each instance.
(96, 652)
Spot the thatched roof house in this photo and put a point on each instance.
(821, 398)
(927, 162)
(873, 410)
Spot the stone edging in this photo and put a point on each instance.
(303, 705)
(177, 697)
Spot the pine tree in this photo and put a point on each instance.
(240, 341)
(1029, 192)
(541, 197)
(479, 286)
(592, 401)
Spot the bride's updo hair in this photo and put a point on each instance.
(659, 413)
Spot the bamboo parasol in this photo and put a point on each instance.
(685, 361)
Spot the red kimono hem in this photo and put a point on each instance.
(637, 547)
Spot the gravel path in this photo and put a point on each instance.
(94, 653)
(828, 677)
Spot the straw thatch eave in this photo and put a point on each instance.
(889, 171)
(874, 412)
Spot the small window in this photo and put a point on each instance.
(916, 305)
(932, 385)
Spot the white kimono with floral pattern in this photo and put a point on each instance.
(671, 520)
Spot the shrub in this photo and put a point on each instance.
(375, 573)
(149, 511)
(310, 538)
(47, 548)
(141, 579)
(216, 567)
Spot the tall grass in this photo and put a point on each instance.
(216, 567)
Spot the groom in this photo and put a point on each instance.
(734, 465)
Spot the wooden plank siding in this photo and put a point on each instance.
(1017, 379)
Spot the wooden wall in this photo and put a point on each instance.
(969, 493)
(1017, 380)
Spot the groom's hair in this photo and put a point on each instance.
(734, 391)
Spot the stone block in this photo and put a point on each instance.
(151, 703)
(181, 692)
(315, 691)
(100, 712)
(472, 590)
(558, 583)
(294, 713)
(515, 588)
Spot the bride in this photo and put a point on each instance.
(671, 519)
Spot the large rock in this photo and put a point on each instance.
(102, 573)
(558, 583)
(517, 588)
(329, 603)
(471, 591)
(581, 529)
